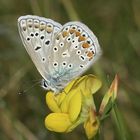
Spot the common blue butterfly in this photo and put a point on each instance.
(60, 53)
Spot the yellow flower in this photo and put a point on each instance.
(75, 105)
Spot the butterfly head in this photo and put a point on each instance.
(45, 84)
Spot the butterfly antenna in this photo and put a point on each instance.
(26, 90)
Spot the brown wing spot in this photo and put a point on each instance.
(37, 48)
(30, 24)
(36, 25)
(72, 31)
(42, 27)
(90, 55)
(77, 34)
(85, 45)
(90, 58)
(81, 38)
(49, 29)
(24, 28)
(64, 34)
(58, 36)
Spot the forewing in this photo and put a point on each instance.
(75, 48)
(37, 34)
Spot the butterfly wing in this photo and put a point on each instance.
(74, 49)
(37, 35)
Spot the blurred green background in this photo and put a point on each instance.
(116, 23)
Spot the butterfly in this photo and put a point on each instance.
(60, 53)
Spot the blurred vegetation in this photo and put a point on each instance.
(116, 23)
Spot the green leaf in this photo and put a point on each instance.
(107, 109)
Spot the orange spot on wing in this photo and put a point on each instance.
(85, 45)
(81, 38)
(77, 34)
(90, 55)
(72, 31)
(64, 34)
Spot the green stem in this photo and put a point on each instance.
(70, 9)
(97, 137)
(119, 123)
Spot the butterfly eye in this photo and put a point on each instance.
(79, 30)
(44, 84)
